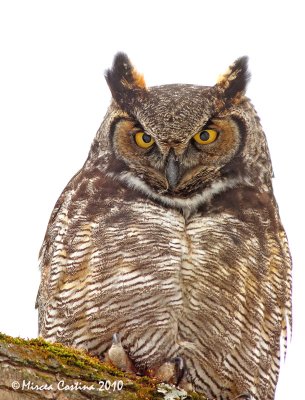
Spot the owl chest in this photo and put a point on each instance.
(151, 255)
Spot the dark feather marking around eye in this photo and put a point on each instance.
(117, 120)
(114, 124)
(236, 166)
(137, 128)
(195, 146)
(138, 125)
(151, 150)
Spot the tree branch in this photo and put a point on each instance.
(37, 370)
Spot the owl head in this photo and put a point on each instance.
(182, 144)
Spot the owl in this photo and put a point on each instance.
(165, 253)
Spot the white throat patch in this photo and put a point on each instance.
(187, 205)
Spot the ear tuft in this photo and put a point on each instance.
(123, 79)
(233, 83)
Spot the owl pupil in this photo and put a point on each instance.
(204, 135)
(146, 138)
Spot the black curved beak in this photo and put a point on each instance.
(172, 169)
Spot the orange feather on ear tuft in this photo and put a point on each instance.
(136, 82)
(138, 79)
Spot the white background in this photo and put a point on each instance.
(53, 97)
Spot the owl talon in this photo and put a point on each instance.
(117, 356)
(179, 369)
(171, 371)
(116, 340)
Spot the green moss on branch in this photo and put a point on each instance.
(40, 367)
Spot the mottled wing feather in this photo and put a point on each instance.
(287, 289)
(103, 272)
(53, 253)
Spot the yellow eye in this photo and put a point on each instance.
(143, 140)
(205, 137)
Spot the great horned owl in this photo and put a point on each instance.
(167, 246)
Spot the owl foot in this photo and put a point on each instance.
(242, 397)
(117, 356)
(173, 372)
